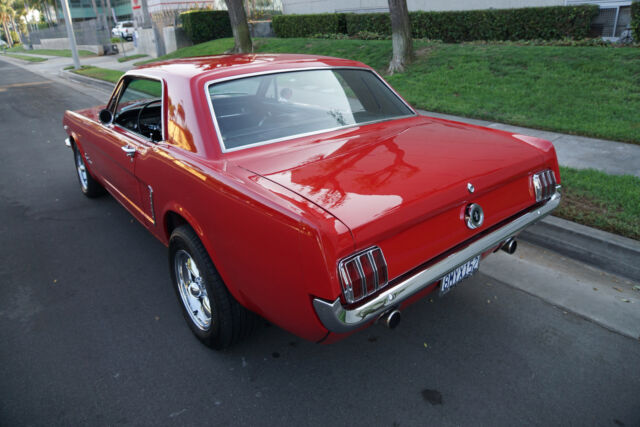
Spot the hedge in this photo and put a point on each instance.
(205, 25)
(635, 20)
(308, 25)
(544, 23)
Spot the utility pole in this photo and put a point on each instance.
(70, 34)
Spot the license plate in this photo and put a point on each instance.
(459, 274)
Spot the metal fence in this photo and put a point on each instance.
(89, 32)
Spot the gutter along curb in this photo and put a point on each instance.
(607, 251)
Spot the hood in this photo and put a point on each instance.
(399, 171)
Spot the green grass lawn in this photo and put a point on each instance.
(607, 202)
(592, 91)
(51, 52)
(99, 73)
(131, 57)
(26, 57)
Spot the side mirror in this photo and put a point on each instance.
(105, 116)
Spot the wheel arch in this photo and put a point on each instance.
(175, 216)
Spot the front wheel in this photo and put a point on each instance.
(89, 186)
(211, 312)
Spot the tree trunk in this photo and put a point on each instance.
(400, 36)
(15, 28)
(104, 17)
(240, 27)
(7, 33)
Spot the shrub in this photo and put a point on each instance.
(635, 20)
(205, 25)
(307, 25)
(370, 22)
(545, 23)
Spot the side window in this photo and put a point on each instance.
(139, 108)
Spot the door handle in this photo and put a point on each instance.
(131, 151)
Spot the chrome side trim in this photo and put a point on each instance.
(336, 318)
(153, 212)
(67, 142)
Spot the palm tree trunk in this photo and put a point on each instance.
(7, 33)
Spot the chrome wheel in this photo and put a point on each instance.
(82, 171)
(192, 290)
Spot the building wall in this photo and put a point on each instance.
(368, 6)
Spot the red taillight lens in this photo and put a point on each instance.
(362, 274)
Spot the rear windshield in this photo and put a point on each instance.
(272, 107)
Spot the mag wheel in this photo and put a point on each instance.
(211, 312)
(89, 186)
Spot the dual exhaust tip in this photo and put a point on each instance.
(391, 319)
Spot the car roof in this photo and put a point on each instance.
(239, 65)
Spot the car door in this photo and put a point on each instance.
(136, 123)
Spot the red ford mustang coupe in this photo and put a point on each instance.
(304, 189)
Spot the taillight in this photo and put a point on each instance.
(363, 274)
(544, 184)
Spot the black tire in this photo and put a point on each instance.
(89, 186)
(229, 321)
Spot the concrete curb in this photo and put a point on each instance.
(609, 252)
(90, 81)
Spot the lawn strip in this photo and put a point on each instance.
(51, 52)
(607, 202)
(100, 73)
(26, 57)
(132, 57)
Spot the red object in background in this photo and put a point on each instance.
(276, 219)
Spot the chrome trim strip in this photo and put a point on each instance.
(288, 70)
(336, 318)
(153, 212)
(374, 267)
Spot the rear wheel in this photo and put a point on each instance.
(211, 312)
(89, 186)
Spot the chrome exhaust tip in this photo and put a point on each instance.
(391, 319)
(510, 246)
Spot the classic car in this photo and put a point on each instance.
(304, 190)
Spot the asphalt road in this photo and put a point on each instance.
(91, 331)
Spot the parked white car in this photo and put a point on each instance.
(123, 29)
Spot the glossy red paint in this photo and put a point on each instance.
(277, 218)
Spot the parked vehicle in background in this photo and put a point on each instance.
(304, 189)
(123, 29)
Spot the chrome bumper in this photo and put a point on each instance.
(336, 318)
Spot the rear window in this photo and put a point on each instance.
(272, 107)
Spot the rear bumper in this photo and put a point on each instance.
(336, 318)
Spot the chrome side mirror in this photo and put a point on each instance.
(105, 116)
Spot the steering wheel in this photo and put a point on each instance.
(144, 107)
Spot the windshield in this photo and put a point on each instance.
(272, 107)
